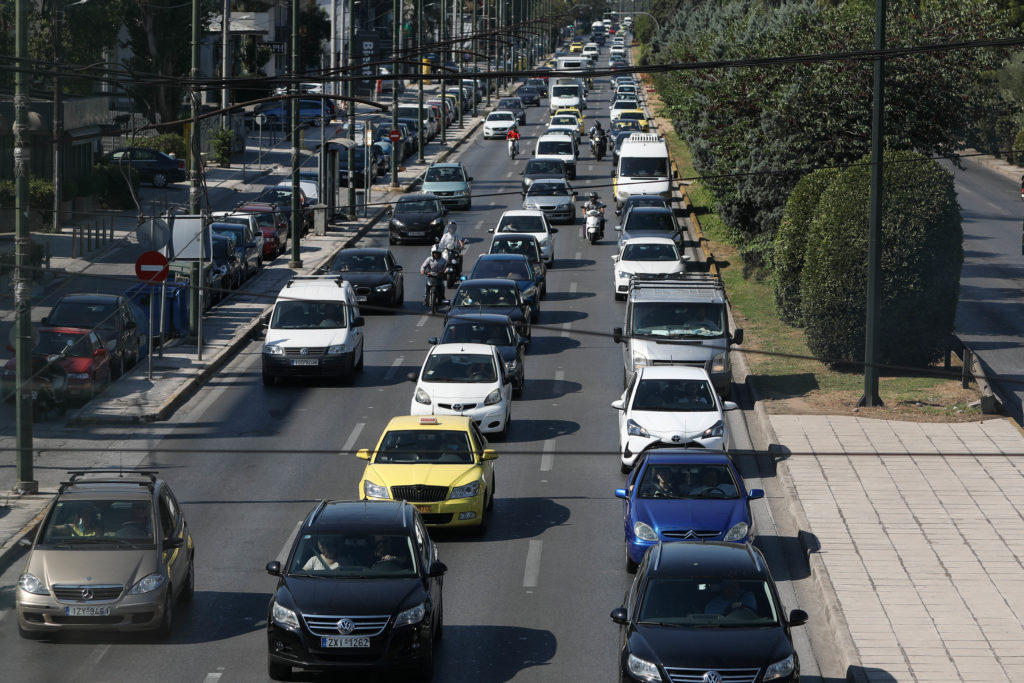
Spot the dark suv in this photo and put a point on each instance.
(689, 608)
(360, 590)
(111, 316)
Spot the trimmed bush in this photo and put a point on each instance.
(221, 141)
(922, 252)
(168, 143)
(115, 185)
(790, 244)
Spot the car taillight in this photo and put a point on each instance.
(181, 165)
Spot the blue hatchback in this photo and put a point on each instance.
(512, 267)
(684, 495)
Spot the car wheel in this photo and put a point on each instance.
(159, 179)
(189, 591)
(362, 357)
(259, 263)
(391, 240)
(269, 380)
(517, 391)
(167, 623)
(620, 297)
(278, 671)
(494, 489)
(630, 564)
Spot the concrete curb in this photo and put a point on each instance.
(11, 548)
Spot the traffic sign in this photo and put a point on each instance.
(151, 267)
(394, 136)
(153, 234)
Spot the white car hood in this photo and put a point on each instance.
(648, 267)
(691, 349)
(665, 425)
(449, 392)
(304, 338)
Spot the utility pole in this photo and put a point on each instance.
(351, 90)
(419, 89)
(396, 37)
(195, 282)
(296, 262)
(22, 244)
(458, 60)
(58, 121)
(225, 61)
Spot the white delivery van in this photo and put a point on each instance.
(567, 94)
(315, 331)
(643, 168)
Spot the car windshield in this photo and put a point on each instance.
(501, 268)
(500, 116)
(236, 220)
(460, 368)
(234, 235)
(563, 121)
(354, 555)
(475, 295)
(521, 224)
(649, 222)
(473, 332)
(544, 166)
(304, 315)
(119, 523)
(88, 316)
(444, 174)
(674, 395)
(361, 263)
(649, 252)
(548, 190)
(708, 602)
(654, 167)
(624, 104)
(55, 342)
(265, 219)
(677, 319)
(439, 446)
(688, 481)
(418, 206)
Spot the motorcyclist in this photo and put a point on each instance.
(597, 205)
(451, 238)
(598, 138)
(432, 267)
(513, 134)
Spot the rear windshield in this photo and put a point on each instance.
(555, 147)
(477, 295)
(472, 332)
(512, 270)
(650, 252)
(643, 166)
(521, 224)
(88, 316)
(545, 166)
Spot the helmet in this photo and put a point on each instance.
(436, 249)
(593, 196)
(452, 226)
(597, 124)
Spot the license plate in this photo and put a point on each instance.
(87, 611)
(417, 233)
(306, 361)
(360, 298)
(344, 641)
(423, 508)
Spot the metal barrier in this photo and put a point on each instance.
(91, 236)
(972, 370)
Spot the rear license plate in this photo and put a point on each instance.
(306, 361)
(87, 611)
(360, 298)
(344, 641)
(423, 508)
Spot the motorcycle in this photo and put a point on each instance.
(595, 225)
(513, 148)
(435, 289)
(598, 144)
(453, 271)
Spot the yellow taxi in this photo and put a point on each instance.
(438, 463)
(637, 115)
(576, 47)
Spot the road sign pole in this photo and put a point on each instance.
(150, 373)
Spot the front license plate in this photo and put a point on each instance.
(423, 508)
(417, 233)
(87, 611)
(344, 641)
(305, 361)
(360, 299)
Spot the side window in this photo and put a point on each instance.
(423, 544)
(478, 439)
(168, 513)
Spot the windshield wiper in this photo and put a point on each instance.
(101, 540)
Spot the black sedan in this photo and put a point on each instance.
(487, 328)
(498, 296)
(373, 273)
(360, 591)
(417, 217)
(691, 606)
(514, 105)
(153, 166)
(529, 95)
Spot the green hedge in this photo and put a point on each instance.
(40, 194)
(922, 252)
(168, 143)
(114, 185)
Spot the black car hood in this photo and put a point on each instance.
(365, 279)
(710, 648)
(513, 312)
(343, 596)
(416, 220)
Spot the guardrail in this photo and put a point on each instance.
(972, 370)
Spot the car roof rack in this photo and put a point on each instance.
(78, 477)
(687, 280)
(324, 278)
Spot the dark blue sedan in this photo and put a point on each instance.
(512, 267)
(684, 495)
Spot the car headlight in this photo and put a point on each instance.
(779, 669)
(383, 288)
(371, 490)
(413, 615)
(738, 532)
(493, 398)
(421, 396)
(623, 274)
(397, 223)
(642, 669)
(545, 241)
(148, 584)
(467, 491)
(718, 362)
(717, 429)
(644, 532)
(437, 222)
(511, 366)
(531, 206)
(273, 350)
(78, 375)
(283, 616)
(633, 428)
(639, 360)
(335, 350)
(32, 584)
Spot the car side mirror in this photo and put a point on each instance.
(737, 336)
(554, 230)
(619, 615)
(433, 341)
(363, 454)
(618, 404)
(489, 454)
(618, 228)
(437, 568)
(617, 335)
(412, 377)
(45, 321)
(274, 568)
(797, 617)
(25, 542)
(620, 493)
(172, 543)
(755, 494)
(358, 321)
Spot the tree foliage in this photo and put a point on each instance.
(922, 253)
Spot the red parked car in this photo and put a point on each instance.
(86, 363)
(274, 224)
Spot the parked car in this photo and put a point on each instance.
(153, 166)
(310, 112)
(282, 196)
(354, 559)
(450, 183)
(113, 553)
(272, 223)
(514, 105)
(85, 361)
(374, 273)
(250, 237)
(111, 316)
(514, 267)
(417, 216)
(496, 330)
(225, 260)
(375, 165)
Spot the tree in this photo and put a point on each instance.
(922, 253)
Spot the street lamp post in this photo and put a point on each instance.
(350, 91)
(395, 50)
(58, 113)
(419, 88)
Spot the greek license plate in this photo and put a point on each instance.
(305, 361)
(87, 611)
(423, 508)
(360, 298)
(344, 641)
(417, 233)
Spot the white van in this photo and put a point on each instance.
(559, 145)
(315, 331)
(565, 94)
(572, 63)
(643, 168)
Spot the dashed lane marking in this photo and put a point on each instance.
(390, 374)
(352, 438)
(532, 572)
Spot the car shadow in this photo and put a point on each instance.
(511, 519)
(564, 263)
(547, 346)
(568, 296)
(548, 389)
(525, 431)
(548, 318)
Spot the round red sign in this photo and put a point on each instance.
(394, 136)
(151, 267)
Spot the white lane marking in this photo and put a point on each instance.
(92, 660)
(352, 438)
(422, 321)
(479, 224)
(282, 554)
(547, 458)
(509, 174)
(573, 287)
(212, 678)
(394, 367)
(578, 256)
(532, 572)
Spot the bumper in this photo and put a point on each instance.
(565, 213)
(393, 649)
(634, 444)
(461, 512)
(493, 133)
(45, 614)
(547, 252)
(487, 418)
(424, 234)
(339, 365)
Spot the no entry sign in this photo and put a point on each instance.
(151, 267)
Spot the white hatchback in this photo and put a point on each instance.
(531, 222)
(465, 379)
(646, 255)
(672, 404)
(498, 123)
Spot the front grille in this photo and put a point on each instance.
(99, 593)
(363, 291)
(445, 194)
(451, 406)
(310, 351)
(420, 493)
(697, 675)
(697, 364)
(437, 518)
(327, 625)
(690, 534)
